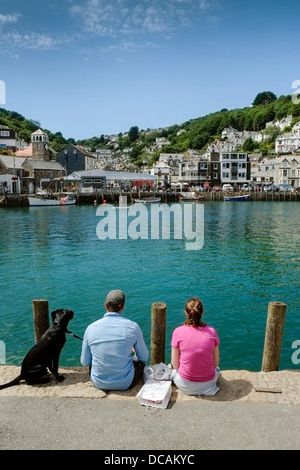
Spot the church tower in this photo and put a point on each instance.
(40, 145)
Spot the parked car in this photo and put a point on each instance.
(246, 187)
(284, 187)
(227, 187)
(216, 188)
(270, 187)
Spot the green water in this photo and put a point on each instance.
(250, 257)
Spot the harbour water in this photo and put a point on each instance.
(250, 257)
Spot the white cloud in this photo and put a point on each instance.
(116, 17)
(10, 18)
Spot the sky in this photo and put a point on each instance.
(91, 67)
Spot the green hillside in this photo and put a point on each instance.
(197, 133)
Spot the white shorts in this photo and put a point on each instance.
(197, 388)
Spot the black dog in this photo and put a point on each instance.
(45, 353)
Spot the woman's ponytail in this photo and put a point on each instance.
(194, 312)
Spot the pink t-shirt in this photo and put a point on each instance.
(196, 346)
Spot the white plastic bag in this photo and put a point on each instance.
(155, 393)
(157, 372)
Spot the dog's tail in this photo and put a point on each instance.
(10, 384)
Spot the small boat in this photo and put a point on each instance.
(149, 200)
(44, 199)
(243, 197)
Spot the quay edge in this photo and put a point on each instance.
(21, 200)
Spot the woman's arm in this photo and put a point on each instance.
(175, 358)
(216, 355)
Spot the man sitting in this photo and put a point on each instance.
(108, 346)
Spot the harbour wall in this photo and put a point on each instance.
(21, 200)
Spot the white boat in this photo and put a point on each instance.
(148, 200)
(44, 199)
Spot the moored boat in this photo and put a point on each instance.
(44, 199)
(242, 197)
(148, 200)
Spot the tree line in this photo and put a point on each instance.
(194, 134)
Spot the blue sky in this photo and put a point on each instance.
(92, 67)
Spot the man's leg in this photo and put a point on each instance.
(138, 373)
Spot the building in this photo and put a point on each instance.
(287, 170)
(235, 168)
(280, 170)
(289, 142)
(9, 139)
(41, 174)
(40, 145)
(92, 180)
(173, 160)
(11, 170)
(263, 172)
(75, 158)
(162, 171)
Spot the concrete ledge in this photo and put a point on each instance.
(235, 385)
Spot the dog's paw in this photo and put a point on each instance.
(60, 378)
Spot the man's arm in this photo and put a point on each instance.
(86, 356)
(140, 347)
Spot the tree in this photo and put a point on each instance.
(133, 133)
(265, 97)
(249, 145)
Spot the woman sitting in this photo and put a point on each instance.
(195, 353)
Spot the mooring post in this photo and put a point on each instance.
(273, 336)
(40, 317)
(158, 332)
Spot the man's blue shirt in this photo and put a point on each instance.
(107, 347)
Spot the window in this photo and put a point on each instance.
(5, 133)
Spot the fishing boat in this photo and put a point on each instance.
(242, 197)
(45, 199)
(149, 200)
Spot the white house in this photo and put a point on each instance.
(162, 171)
(235, 168)
(287, 170)
(263, 172)
(287, 143)
(279, 170)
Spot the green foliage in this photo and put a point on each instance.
(25, 127)
(133, 133)
(266, 97)
(249, 145)
(194, 134)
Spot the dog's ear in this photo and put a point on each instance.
(54, 313)
(69, 313)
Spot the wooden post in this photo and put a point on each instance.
(158, 332)
(40, 317)
(273, 336)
